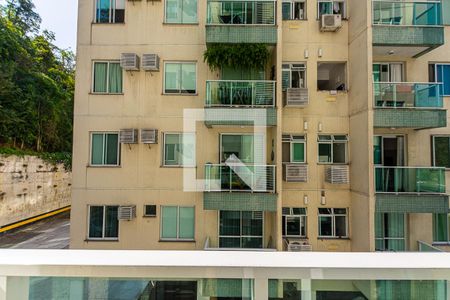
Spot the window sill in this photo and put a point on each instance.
(149, 216)
(178, 167)
(333, 238)
(337, 92)
(333, 164)
(101, 240)
(440, 244)
(102, 166)
(107, 23)
(175, 241)
(179, 94)
(106, 94)
(184, 24)
(295, 20)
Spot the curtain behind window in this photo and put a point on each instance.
(100, 83)
(115, 78)
(111, 221)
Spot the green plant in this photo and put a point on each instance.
(55, 158)
(247, 56)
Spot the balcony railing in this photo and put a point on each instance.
(425, 247)
(239, 178)
(407, 95)
(240, 12)
(407, 13)
(412, 180)
(240, 93)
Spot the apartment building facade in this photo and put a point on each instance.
(331, 134)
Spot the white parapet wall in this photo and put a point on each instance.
(30, 186)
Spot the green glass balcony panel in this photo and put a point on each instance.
(406, 13)
(240, 201)
(237, 177)
(408, 36)
(240, 116)
(235, 288)
(410, 203)
(240, 93)
(233, 12)
(235, 34)
(407, 95)
(409, 118)
(410, 180)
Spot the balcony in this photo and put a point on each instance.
(410, 189)
(239, 187)
(240, 102)
(408, 105)
(241, 22)
(406, 28)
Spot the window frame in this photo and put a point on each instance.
(447, 229)
(264, 140)
(180, 93)
(292, 140)
(433, 149)
(303, 220)
(292, 10)
(103, 238)
(384, 238)
(290, 69)
(114, 61)
(343, 14)
(436, 76)
(145, 215)
(179, 164)
(332, 142)
(180, 23)
(333, 216)
(104, 133)
(177, 239)
(345, 74)
(112, 14)
(241, 236)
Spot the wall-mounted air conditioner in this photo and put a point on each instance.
(150, 62)
(129, 61)
(127, 212)
(149, 136)
(338, 174)
(330, 22)
(128, 136)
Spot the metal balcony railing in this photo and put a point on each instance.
(412, 180)
(407, 13)
(240, 93)
(407, 95)
(425, 247)
(232, 12)
(239, 178)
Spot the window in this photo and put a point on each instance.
(441, 151)
(441, 73)
(294, 222)
(332, 149)
(177, 222)
(329, 7)
(180, 78)
(179, 149)
(149, 210)
(294, 148)
(105, 149)
(107, 78)
(333, 222)
(441, 228)
(241, 229)
(248, 148)
(109, 11)
(294, 75)
(390, 232)
(388, 72)
(181, 11)
(103, 222)
(294, 10)
(331, 77)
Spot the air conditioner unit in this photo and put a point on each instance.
(128, 136)
(296, 97)
(337, 174)
(330, 22)
(127, 213)
(298, 245)
(149, 136)
(129, 61)
(150, 62)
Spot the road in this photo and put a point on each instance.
(49, 233)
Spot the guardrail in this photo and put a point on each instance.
(407, 95)
(260, 12)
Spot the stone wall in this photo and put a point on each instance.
(30, 186)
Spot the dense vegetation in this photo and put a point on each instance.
(36, 85)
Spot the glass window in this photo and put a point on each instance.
(246, 147)
(329, 7)
(177, 222)
(180, 78)
(332, 149)
(241, 229)
(103, 222)
(390, 232)
(441, 151)
(107, 78)
(333, 222)
(294, 222)
(179, 149)
(294, 148)
(441, 73)
(105, 149)
(181, 11)
(109, 11)
(294, 10)
(441, 228)
(293, 75)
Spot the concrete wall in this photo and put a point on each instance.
(30, 186)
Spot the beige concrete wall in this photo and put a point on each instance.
(30, 187)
